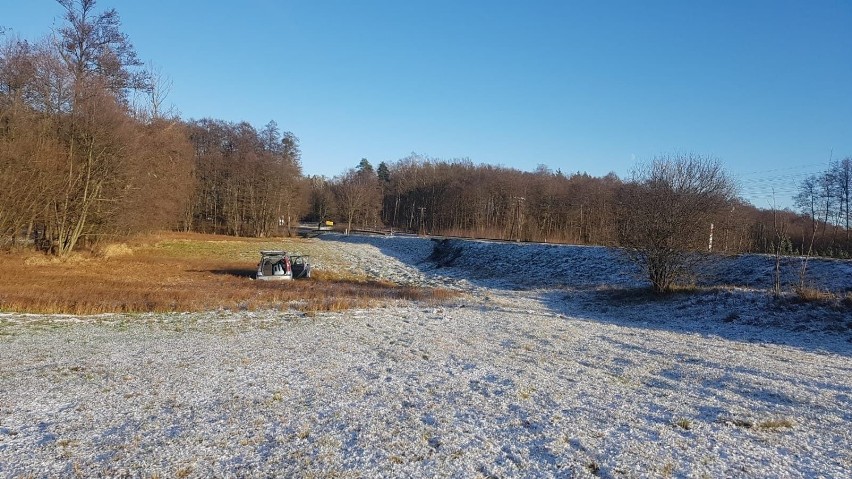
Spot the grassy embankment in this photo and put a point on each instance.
(186, 272)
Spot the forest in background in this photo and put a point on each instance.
(90, 153)
(459, 198)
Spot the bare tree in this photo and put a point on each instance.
(665, 213)
(320, 199)
(779, 228)
(97, 130)
(356, 193)
(152, 106)
(94, 48)
(842, 175)
(292, 195)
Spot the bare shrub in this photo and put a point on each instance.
(666, 211)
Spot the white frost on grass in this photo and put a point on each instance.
(548, 378)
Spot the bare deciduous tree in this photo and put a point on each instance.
(320, 199)
(842, 175)
(151, 106)
(94, 48)
(357, 193)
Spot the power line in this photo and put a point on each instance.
(779, 188)
(786, 168)
(779, 178)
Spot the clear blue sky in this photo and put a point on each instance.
(594, 86)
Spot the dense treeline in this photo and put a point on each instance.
(460, 198)
(76, 161)
(248, 182)
(419, 194)
(82, 158)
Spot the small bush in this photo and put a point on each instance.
(184, 471)
(684, 424)
(115, 250)
(444, 253)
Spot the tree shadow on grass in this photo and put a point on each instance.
(607, 288)
(733, 314)
(236, 272)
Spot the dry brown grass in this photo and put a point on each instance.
(807, 294)
(836, 301)
(181, 272)
(775, 424)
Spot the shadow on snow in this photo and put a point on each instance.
(600, 284)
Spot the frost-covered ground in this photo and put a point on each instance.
(548, 364)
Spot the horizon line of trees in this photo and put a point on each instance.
(418, 194)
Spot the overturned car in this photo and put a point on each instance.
(280, 265)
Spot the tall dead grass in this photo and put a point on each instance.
(180, 272)
(841, 301)
(807, 294)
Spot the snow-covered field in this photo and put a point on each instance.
(548, 364)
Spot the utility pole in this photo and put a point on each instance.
(710, 245)
(422, 215)
(521, 199)
(517, 218)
